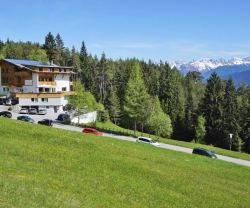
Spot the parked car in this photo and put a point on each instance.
(32, 111)
(23, 110)
(11, 102)
(25, 118)
(62, 116)
(204, 152)
(46, 122)
(2, 101)
(42, 112)
(6, 114)
(92, 131)
(8, 102)
(146, 140)
(14, 102)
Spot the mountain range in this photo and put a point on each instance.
(224, 68)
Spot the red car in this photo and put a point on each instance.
(91, 131)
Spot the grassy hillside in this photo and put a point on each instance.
(42, 166)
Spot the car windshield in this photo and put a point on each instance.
(209, 152)
(23, 109)
(95, 131)
(153, 141)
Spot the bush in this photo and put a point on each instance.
(67, 120)
(103, 115)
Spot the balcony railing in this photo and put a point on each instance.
(47, 83)
(43, 94)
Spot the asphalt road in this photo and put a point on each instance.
(59, 124)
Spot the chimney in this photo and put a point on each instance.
(51, 63)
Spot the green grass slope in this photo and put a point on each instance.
(42, 166)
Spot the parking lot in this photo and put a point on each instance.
(52, 116)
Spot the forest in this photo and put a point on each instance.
(151, 97)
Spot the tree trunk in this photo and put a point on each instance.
(142, 128)
(135, 128)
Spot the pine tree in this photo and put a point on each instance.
(246, 136)
(114, 106)
(231, 114)
(212, 110)
(50, 46)
(135, 95)
(200, 130)
(60, 49)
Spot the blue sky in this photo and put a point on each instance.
(165, 30)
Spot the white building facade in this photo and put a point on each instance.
(35, 84)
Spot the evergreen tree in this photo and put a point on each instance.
(135, 95)
(114, 106)
(200, 130)
(231, 115)
(50, 46)
(212, 110)
(246, 136)
(59, 50)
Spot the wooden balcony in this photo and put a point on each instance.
(47, 83)
(43, 94)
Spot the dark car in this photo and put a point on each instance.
(14, 102)
(46, 122)
(25, 118)
(32, 111)
(204, 152)
(62, 116)
(6, 114)
(2, 101)
(91, 131)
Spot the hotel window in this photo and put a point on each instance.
(49, 70)
(64, 70)
(47, 107)
(4, 89)
(7, 80)
(64, 88)
(2, 70)
(19, 80)
(44, 99)
(3, 80)
(59, 70)
(40, 69)
(44, 79)
(53, 69)
(34, 100)
(7, 70)
(50, 79)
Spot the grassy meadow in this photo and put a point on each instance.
(43, 166)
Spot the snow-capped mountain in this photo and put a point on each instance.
(206, 64)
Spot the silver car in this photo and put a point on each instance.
(42, 112)
(146, 140)
(23, 110)
(8, 102)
